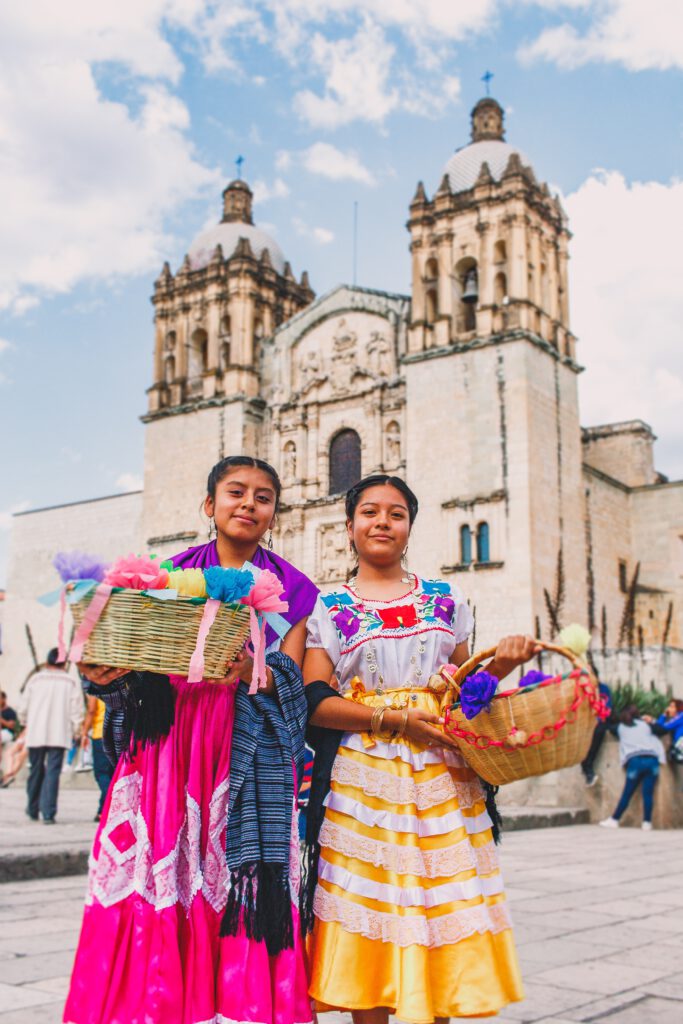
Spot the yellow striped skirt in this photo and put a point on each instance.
(410, 908)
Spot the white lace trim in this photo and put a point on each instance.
(408, 895)
(378, 782)
(410, 860)
(413, 930)
(123, 869)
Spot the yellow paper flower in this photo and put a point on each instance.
(576, 638)
(188, 582)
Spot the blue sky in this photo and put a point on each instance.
(120, 127)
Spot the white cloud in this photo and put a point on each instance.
(323, 236)
(7, 513)
(628, 305)
(326, 160)
(129, 482)
(263, 191)
(635, 34)
(356, 72)
(5, 345)
(92, 179)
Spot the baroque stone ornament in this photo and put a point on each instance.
(333, 552)
(344, 357)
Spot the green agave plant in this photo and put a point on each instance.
(649, 702)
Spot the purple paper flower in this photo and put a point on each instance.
(477, 693)
(532, 677)
(77, 565)
(444, 608)
(347, 623)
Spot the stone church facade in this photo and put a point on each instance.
(467, 388)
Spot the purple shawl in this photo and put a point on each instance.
(300, 592)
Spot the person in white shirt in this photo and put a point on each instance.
(641, 752)
(51, 707)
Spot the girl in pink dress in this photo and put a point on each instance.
(190, 914)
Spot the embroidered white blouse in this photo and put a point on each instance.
(390, 643)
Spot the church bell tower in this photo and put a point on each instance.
(491, 380)
(211, 317)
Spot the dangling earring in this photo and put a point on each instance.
(270, 541)
(212, 528)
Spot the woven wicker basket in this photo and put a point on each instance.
(139, 632)
(530, 730)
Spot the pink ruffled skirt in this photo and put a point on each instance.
(150, 950)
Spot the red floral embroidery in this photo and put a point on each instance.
(395, 618)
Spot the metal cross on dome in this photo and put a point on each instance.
(238, 162)
(486, 79)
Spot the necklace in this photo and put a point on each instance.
(418, 646)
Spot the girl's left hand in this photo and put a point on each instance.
(511, 652)
(240, 669)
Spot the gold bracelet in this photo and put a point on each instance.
(404, 724)
(376, 720)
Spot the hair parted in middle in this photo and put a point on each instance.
(222, 468)
(378, 480)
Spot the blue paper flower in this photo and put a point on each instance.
(532, 677)
(477, 693)
(229, 585)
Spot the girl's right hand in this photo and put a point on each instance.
(423, 728)
(101, 675)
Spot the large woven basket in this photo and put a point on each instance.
(140, 632)
(529, 730)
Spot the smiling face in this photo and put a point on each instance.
(244, 505)
(380, 526)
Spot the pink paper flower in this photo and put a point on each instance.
(136, 573)
(266, 594)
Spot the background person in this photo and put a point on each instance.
(51, 707)
(599, 733)
(641, 753)
(91, 732)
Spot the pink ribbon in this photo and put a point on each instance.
(90, 620)
(259, 676)
(61, 647)
(265, 596)
(196, 671)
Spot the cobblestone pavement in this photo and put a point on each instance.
(598, 914)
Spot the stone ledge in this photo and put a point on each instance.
(516, 819)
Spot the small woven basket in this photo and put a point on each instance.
(142, 633)
(529, 730)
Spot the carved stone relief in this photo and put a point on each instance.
(289, 462)
(344, 358)
(333, 553)
(379, 355)
(392, 445)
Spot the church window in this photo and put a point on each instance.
(500, 252)
(467, 287)
(431, 306)
(225, 354)
(226, 325)
(465, 545)
(169, 369)
(431, 270)
(198, 354)
(500, 289)
(483, 554)
(345, 464)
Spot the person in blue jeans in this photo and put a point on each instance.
(671, 723)
(641, 753)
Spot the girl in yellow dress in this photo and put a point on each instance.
(410, 916)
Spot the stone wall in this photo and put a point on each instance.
(107, 527)
(622, 450)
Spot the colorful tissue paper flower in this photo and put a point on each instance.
(228, 585)
(576, 638)
(188, 582)
(477, 693)
(395, 618)
(346, 622)
(532, 677)
(266, 594)
(136, 572)
(444, 608)
(76, 565)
